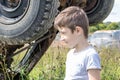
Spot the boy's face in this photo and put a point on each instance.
(69, 38)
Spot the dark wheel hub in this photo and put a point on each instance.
(91, 6)
(12, 8)
(11, 3)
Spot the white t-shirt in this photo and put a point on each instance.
(77, 64)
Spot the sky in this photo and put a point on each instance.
(114, 16)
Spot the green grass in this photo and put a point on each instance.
(52, 65)
(110, 60)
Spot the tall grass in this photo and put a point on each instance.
(110, 60)
(52, 65)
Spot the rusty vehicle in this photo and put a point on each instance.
(31, 22)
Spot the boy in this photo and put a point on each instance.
(83, 62)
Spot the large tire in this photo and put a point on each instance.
(27, 21)
(98, 10)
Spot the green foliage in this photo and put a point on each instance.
(110, 59)
(112, 26)
(105, 26)
(93, 29)
(118, 25)
(51, 66)
(101, 26)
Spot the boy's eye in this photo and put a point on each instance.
(62, 32)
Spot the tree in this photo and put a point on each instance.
(93, 29)
(112, 26)
(102, 26)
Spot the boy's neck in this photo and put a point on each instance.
(81, 46)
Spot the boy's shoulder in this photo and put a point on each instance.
(89, 51)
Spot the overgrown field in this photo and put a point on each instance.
(52, 65)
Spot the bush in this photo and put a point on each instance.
(102, 26)
(105, 26)
(93, 29)
(112, 26)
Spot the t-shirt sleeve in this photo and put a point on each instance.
(93, 62)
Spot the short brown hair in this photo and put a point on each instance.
(71, 17)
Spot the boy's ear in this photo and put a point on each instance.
(78, 30)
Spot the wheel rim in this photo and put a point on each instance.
(91, 6)
(12, 11)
